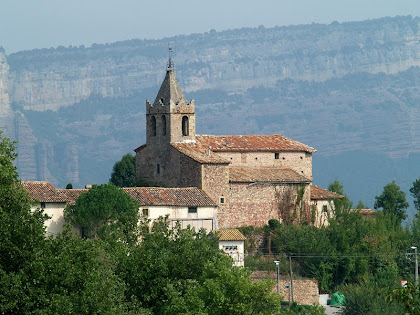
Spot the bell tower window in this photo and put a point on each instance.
(153, 126)
(164, 125)
(185, 126)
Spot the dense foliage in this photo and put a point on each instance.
(124, 172)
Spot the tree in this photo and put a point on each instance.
(22, 232)
(340, 204)
(393, 203)
(106, 212)
(180, 271)
(415, 192)
(124, 172)
(69, 186)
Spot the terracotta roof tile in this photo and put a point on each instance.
(364, 212)
(318, 193)
(43, 191)
(265, 175)
(156, 196)
(72, 194)
(270, 143)
(230, 235)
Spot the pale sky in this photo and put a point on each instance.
(29, 24)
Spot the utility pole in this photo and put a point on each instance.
(278, 276)
(291, 276)
(416, 270)
(269, 252)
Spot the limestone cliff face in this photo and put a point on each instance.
(230, 60)
(338, 87)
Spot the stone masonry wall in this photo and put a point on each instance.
(301, 162)
(305, 291)
(254, 204)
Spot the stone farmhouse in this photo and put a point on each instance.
(251, 178)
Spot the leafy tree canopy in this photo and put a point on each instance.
(393, 203)
(415, 192)
(124, 172)
(106, 212)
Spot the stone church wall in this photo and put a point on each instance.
(255, 204)
(300, 162)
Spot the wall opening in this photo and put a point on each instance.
(164, 125)
(153, 126)
(185, 126)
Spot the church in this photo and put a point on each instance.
(251, 178)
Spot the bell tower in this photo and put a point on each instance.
(170, 118)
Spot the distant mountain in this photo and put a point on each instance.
(349, 90)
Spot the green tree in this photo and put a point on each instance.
(69, 186)
(124, 172)
(106, 212)
(180, 271)
(340, 204)
(22, 232)
(393, 203)
(415, 192)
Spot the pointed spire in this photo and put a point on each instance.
(170, 89)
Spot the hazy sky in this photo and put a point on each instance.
(28, 24)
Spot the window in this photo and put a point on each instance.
(153, 126)
(192, 209)
(230, 248)
(42, 205)
(222, 199)
(145, 212)
(324, 208)
(164, 125)
(185, 126)
(276, 155)
(157, 168)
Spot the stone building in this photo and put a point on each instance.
(189, 206)
(252, 178)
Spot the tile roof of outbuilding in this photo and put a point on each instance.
(254, 143)
(318, 193)
(265, 175)
(230, 235)
(157, 196)
(43, 191)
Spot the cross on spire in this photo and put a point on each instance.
(170, 62)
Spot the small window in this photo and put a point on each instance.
(145, 212)
(222, 199)
(42, 205)
(192, 209)
(283, 158)
(276, 155)
(324, 208)
(301, 157)
(158, 168)
(230, 248)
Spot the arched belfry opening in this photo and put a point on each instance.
(153, 126)
(163, 125)
(185, 126)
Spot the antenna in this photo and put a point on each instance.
(170, 62)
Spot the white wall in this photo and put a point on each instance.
(55, 224)
(237, 255)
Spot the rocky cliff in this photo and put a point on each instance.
(337, 87)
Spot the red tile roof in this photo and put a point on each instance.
(72, 194)
(318, 193)
(43, 191)
(263, 143)
(156, 196)
(364, 212)
(265, 175)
